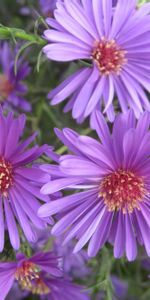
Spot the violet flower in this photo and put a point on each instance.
(20, 181)
(12, 87)
(114, 205)
(26, 271)
(116, 45)
(39, 275)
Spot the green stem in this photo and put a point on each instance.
(16, 33)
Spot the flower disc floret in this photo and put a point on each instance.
(26, 273)
(6, 175)
(109, 57)
(122, 190)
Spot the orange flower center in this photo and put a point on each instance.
(28, 276)
(5, 88)
(109, 57)
(122, 190)
(5, 175)
(26, 273)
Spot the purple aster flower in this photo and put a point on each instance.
(114, 42)
(114, 205)
(47, 7)
(26, 270)
(20, 181)
(12, 89)
(39, 275)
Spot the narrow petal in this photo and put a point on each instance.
(7, 278)
(101, 234)
(119, 245)
(23, 220)
(59, 184)
(66, 202)
(95, 97)
(76, 166)
(89, 232)
(69, 86)
(2, 230)
(145, 231)
(12, 227)
(131, 246)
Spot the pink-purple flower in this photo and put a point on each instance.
(112, 183)
(12, 87)
(28, 272)
(39, 275)
(115, 45)
(20, 181)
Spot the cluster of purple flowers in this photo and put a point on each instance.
(107, 180)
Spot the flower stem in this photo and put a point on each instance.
(16, 33)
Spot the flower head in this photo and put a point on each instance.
(114, 205)
(114, 42)
(39, 275)
(12, 89)
(20, 181)
(28, 272)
